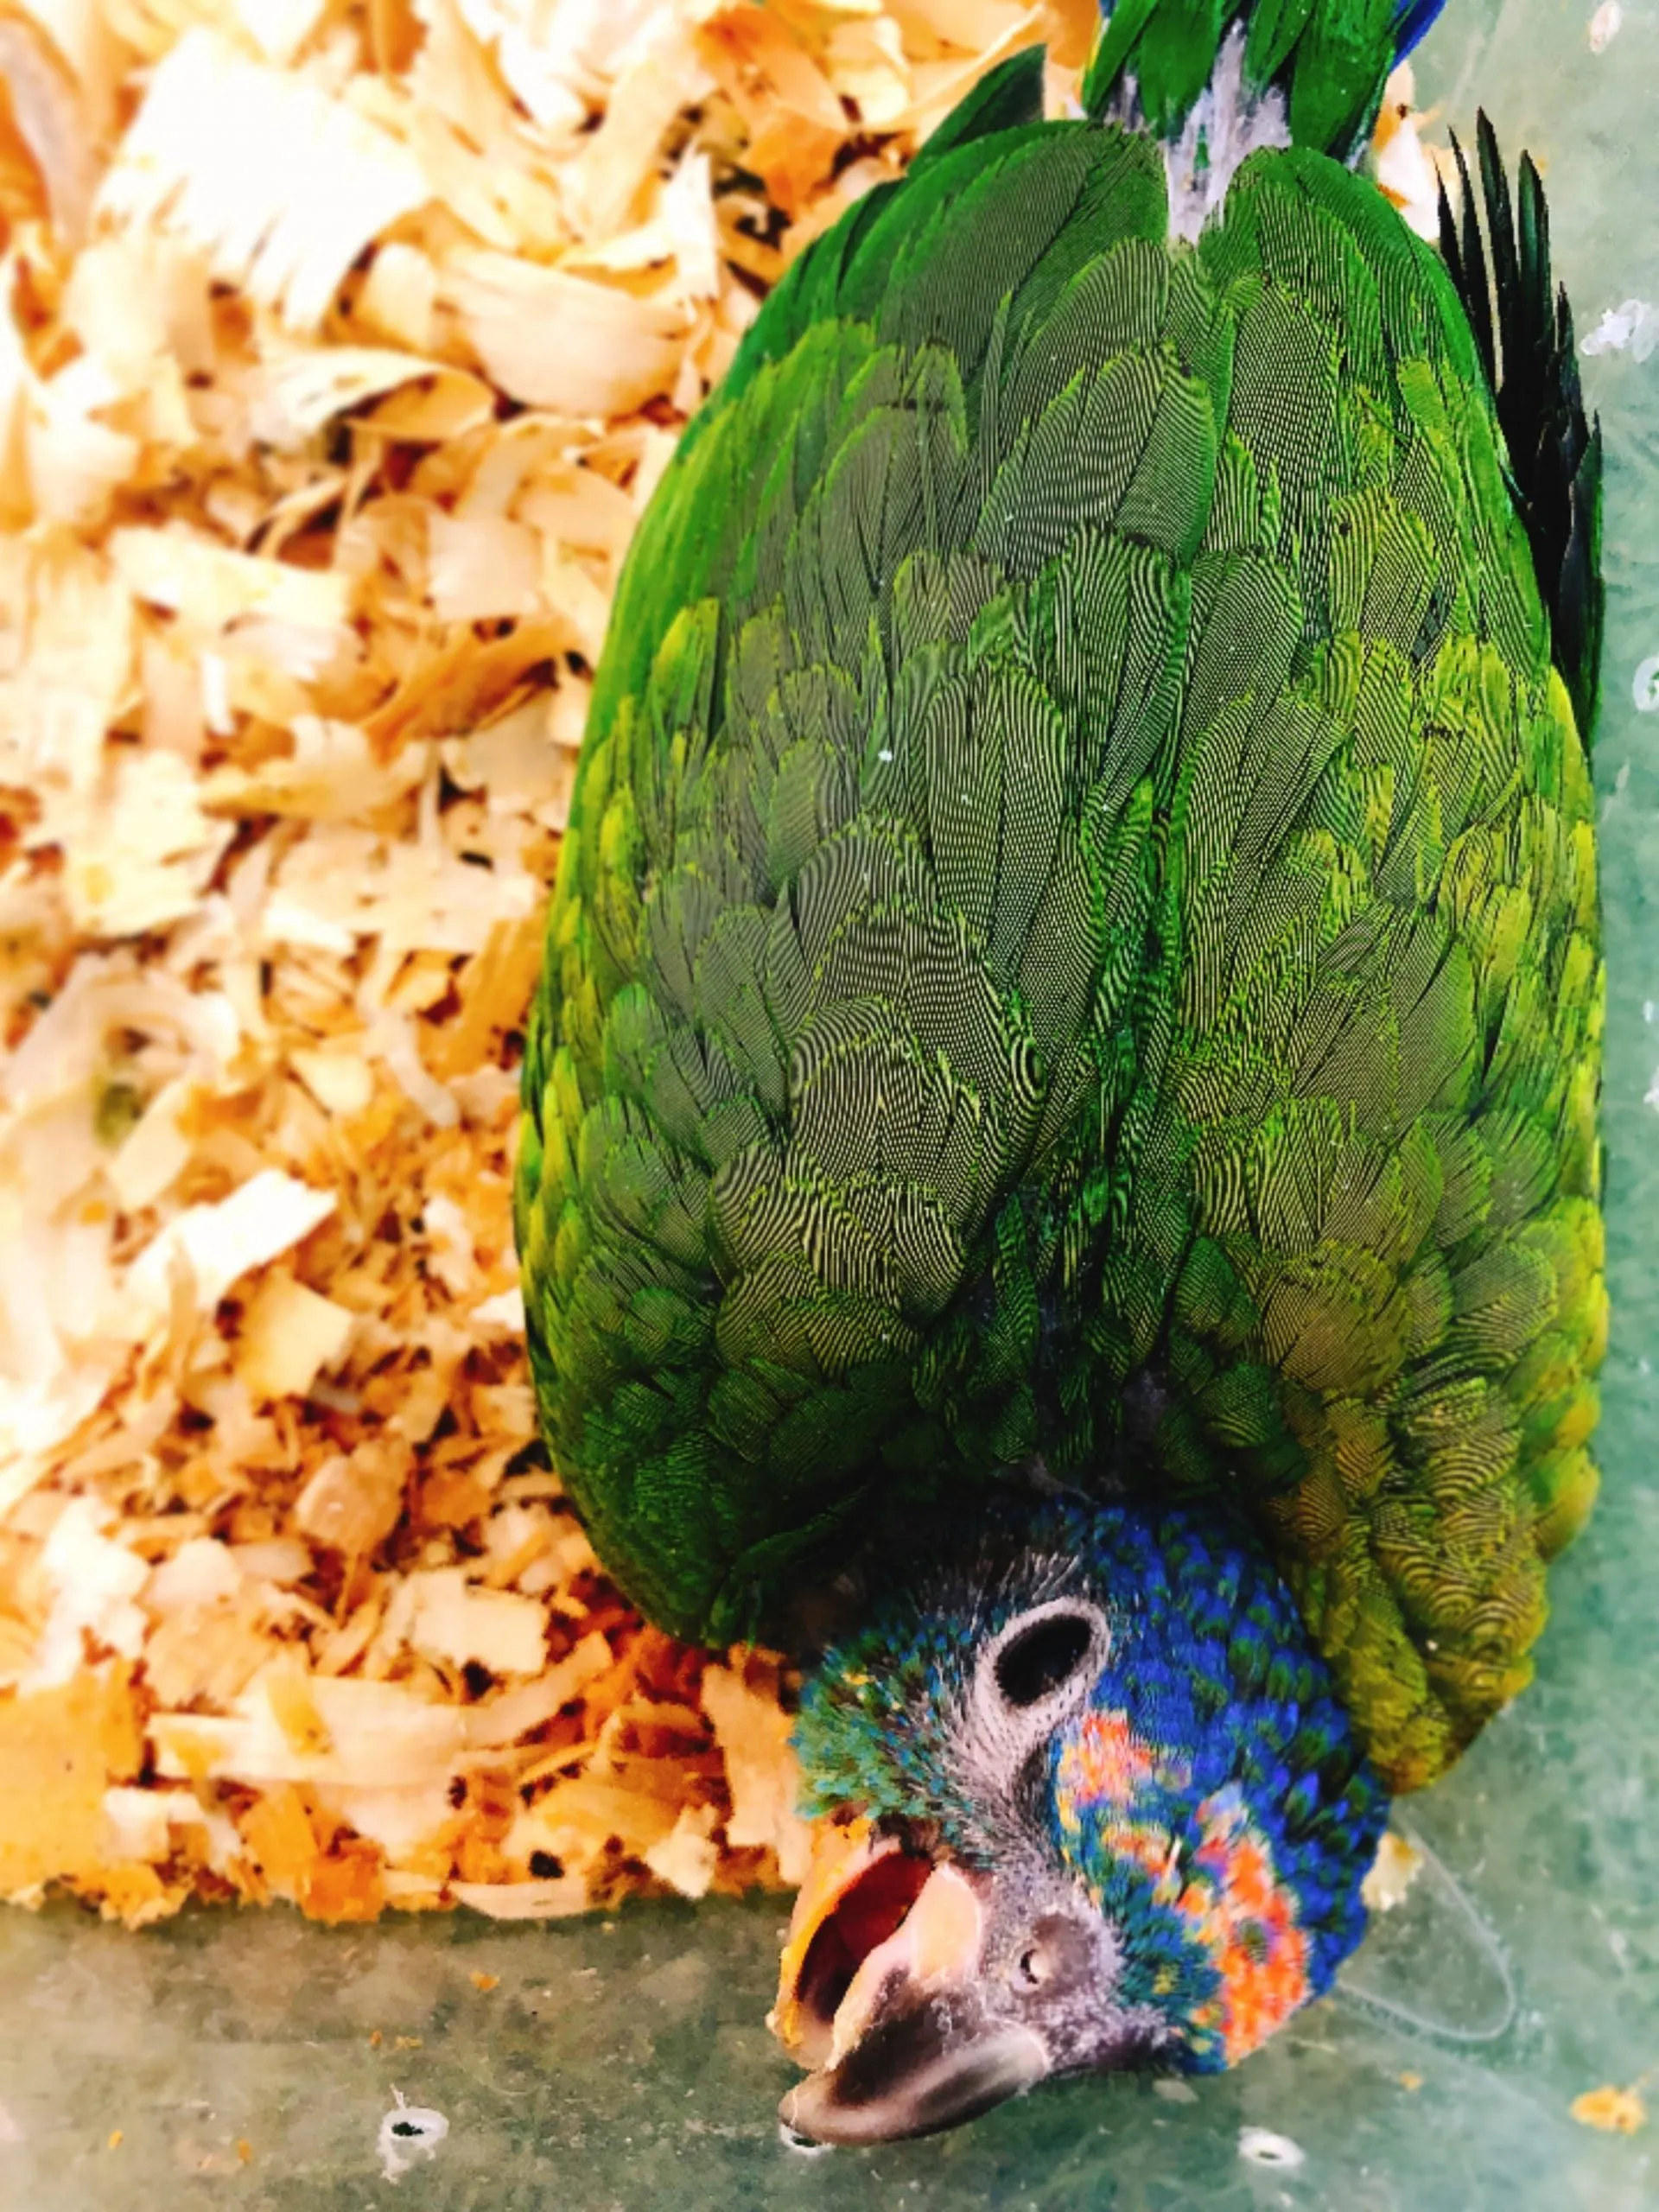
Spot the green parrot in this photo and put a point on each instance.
(1060, 1175)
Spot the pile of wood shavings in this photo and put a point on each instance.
(343, 346)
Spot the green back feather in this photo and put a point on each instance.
(1080, 896)
(1329, 59)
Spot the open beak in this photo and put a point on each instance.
(881, 1993)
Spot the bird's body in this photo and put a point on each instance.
(1077, 948)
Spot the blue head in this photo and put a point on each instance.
(1090, 1801)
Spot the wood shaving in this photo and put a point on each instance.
(1616, 2112)
(1409, 170)
(1396, 1867)
(340, 353)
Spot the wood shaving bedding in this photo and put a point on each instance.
(342, 347)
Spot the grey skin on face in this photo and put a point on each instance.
(923, 1989)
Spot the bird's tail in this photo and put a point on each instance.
(1317, 66)
(1522, 328)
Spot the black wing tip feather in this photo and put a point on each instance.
(1523, 327)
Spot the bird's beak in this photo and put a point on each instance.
(881, 1993)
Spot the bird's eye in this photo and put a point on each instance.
(1038, 1660)
(1034, 1969)
(1033, 1670)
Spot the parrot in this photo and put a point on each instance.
(1059, 1181)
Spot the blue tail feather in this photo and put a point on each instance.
(1411, 21)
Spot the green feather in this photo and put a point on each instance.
(1081, 879)
(1330, 58)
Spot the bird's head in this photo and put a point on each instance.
(1086, 1800)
